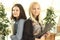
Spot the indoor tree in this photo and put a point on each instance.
(50, 16)
(3, 21)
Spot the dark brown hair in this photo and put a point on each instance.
(22, 12)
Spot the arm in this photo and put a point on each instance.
(46, 29)
(20, 29)
(13, 37)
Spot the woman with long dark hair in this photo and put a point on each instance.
(18, 15)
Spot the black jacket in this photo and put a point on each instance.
(28, 31)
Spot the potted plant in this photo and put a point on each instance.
(50, 16)
(49, 21)
(3, 22)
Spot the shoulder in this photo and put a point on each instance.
(28, 22)
(21, 20)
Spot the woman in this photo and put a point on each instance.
(18, 15)
(33, 26)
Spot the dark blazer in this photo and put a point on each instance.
(28, 31)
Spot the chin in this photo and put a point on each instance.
(15, 16)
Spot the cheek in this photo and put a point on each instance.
(38, 12)
(18, 13)
(13, 12)
(33, 12)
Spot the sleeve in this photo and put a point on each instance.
(13, 37)
(28, 29)
(20, 29)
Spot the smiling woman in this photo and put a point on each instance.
(16, 11)
(18, 15)
(44, 4)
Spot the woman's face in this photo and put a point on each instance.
(16, 11)
(35, 10)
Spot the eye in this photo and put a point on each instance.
(17, 10)
(34, 8)
(38, 8)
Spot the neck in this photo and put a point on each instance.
(36, 18)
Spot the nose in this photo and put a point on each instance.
(15, 11)
(36, 10)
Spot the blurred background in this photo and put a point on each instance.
(44, 5)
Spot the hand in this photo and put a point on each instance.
(42, 38)
(48, 34)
